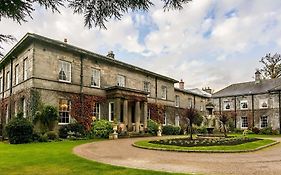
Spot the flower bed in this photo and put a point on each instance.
(186, 142)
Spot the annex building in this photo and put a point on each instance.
(40, 70)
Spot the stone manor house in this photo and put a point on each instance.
(40, 70)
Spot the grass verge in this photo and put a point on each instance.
(246, 147)
(56, 158)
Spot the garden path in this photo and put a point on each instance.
(122, 153)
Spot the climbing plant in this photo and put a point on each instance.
(82, 107)
(156, 112)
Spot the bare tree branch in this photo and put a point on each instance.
(271, 66)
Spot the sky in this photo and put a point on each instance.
(210, 43)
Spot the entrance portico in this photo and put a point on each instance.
(130, 108)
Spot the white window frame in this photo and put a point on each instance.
(67, 72)
(164, 92)
(17, 74)
(96, 111)
(177, 101)
(165, 119)
(66, 109)
(244, 123)
(1, 84)
(242, 102)
(261, 102)
(262, 121)
(25, 69)
(111, 111)
(96, 77)
(177, 120)
(225, 104)
(121, 80)
(24, 108)
(7, 114)
(146, 86)
(8, 79)
(148, 114)
(189, 101)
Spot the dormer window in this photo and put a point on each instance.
(64, 71)
(263, 103)
(121, 80)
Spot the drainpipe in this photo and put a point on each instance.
(194, 102)
(220, 105)
(279, 97)
(253, 110)
(156, 86)
(11, 88)
(81, 87)
(235, 110)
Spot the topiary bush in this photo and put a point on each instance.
(102, 128)
(171, 130)
(19, 130)
(152, 127)
(201, 130)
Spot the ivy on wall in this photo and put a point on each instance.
(82, 107)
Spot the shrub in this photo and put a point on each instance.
(102, 128)
(152, 127)
(275, 132)
(19, 130)
(256, 130)
(52, 135)
(73, 129)
(171, 130)
(43, 138)
(201, 130)
(267, 131)
(47, 117)
(238, 131)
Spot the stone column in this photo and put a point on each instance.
(125, 113)
(137, 116)
(117, 109)
(145, 116)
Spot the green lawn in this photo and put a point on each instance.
(55, 158)
(233, 148)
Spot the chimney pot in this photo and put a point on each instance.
(65, 40)
(257, 76)
(111, 54)
(181, 85)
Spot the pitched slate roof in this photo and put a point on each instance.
(248, 88)
(29, 37)
(196, 92)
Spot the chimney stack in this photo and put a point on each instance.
(110, 54)
(65, 40)
(181, 85)
(257, 76)
(208, 90)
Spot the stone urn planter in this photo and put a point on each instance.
(115, 134)
(159, 132)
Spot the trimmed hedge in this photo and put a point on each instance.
(19, 130)
(171, 130)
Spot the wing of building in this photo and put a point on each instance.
(251, 104)
(40, 70)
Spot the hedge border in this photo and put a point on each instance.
(206, 151)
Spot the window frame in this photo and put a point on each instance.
(164, 92)
(25, 69)
(261, 101)
(8, 79)
(177, 120)
(225, 103)
(95, 111)
(244, 123)
(165, 119)
(242, 102)
(68, 110)
(147, 87)
(177, 101)
(121, 77)
(1, 83)
(262, 124)
(70, 71)
(93, 78)
(111, 111)
(17, 74)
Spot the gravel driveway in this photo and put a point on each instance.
(120, 152)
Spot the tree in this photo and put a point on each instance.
(271, 66)
(191, 115)
(96, 12)
(223, 119)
